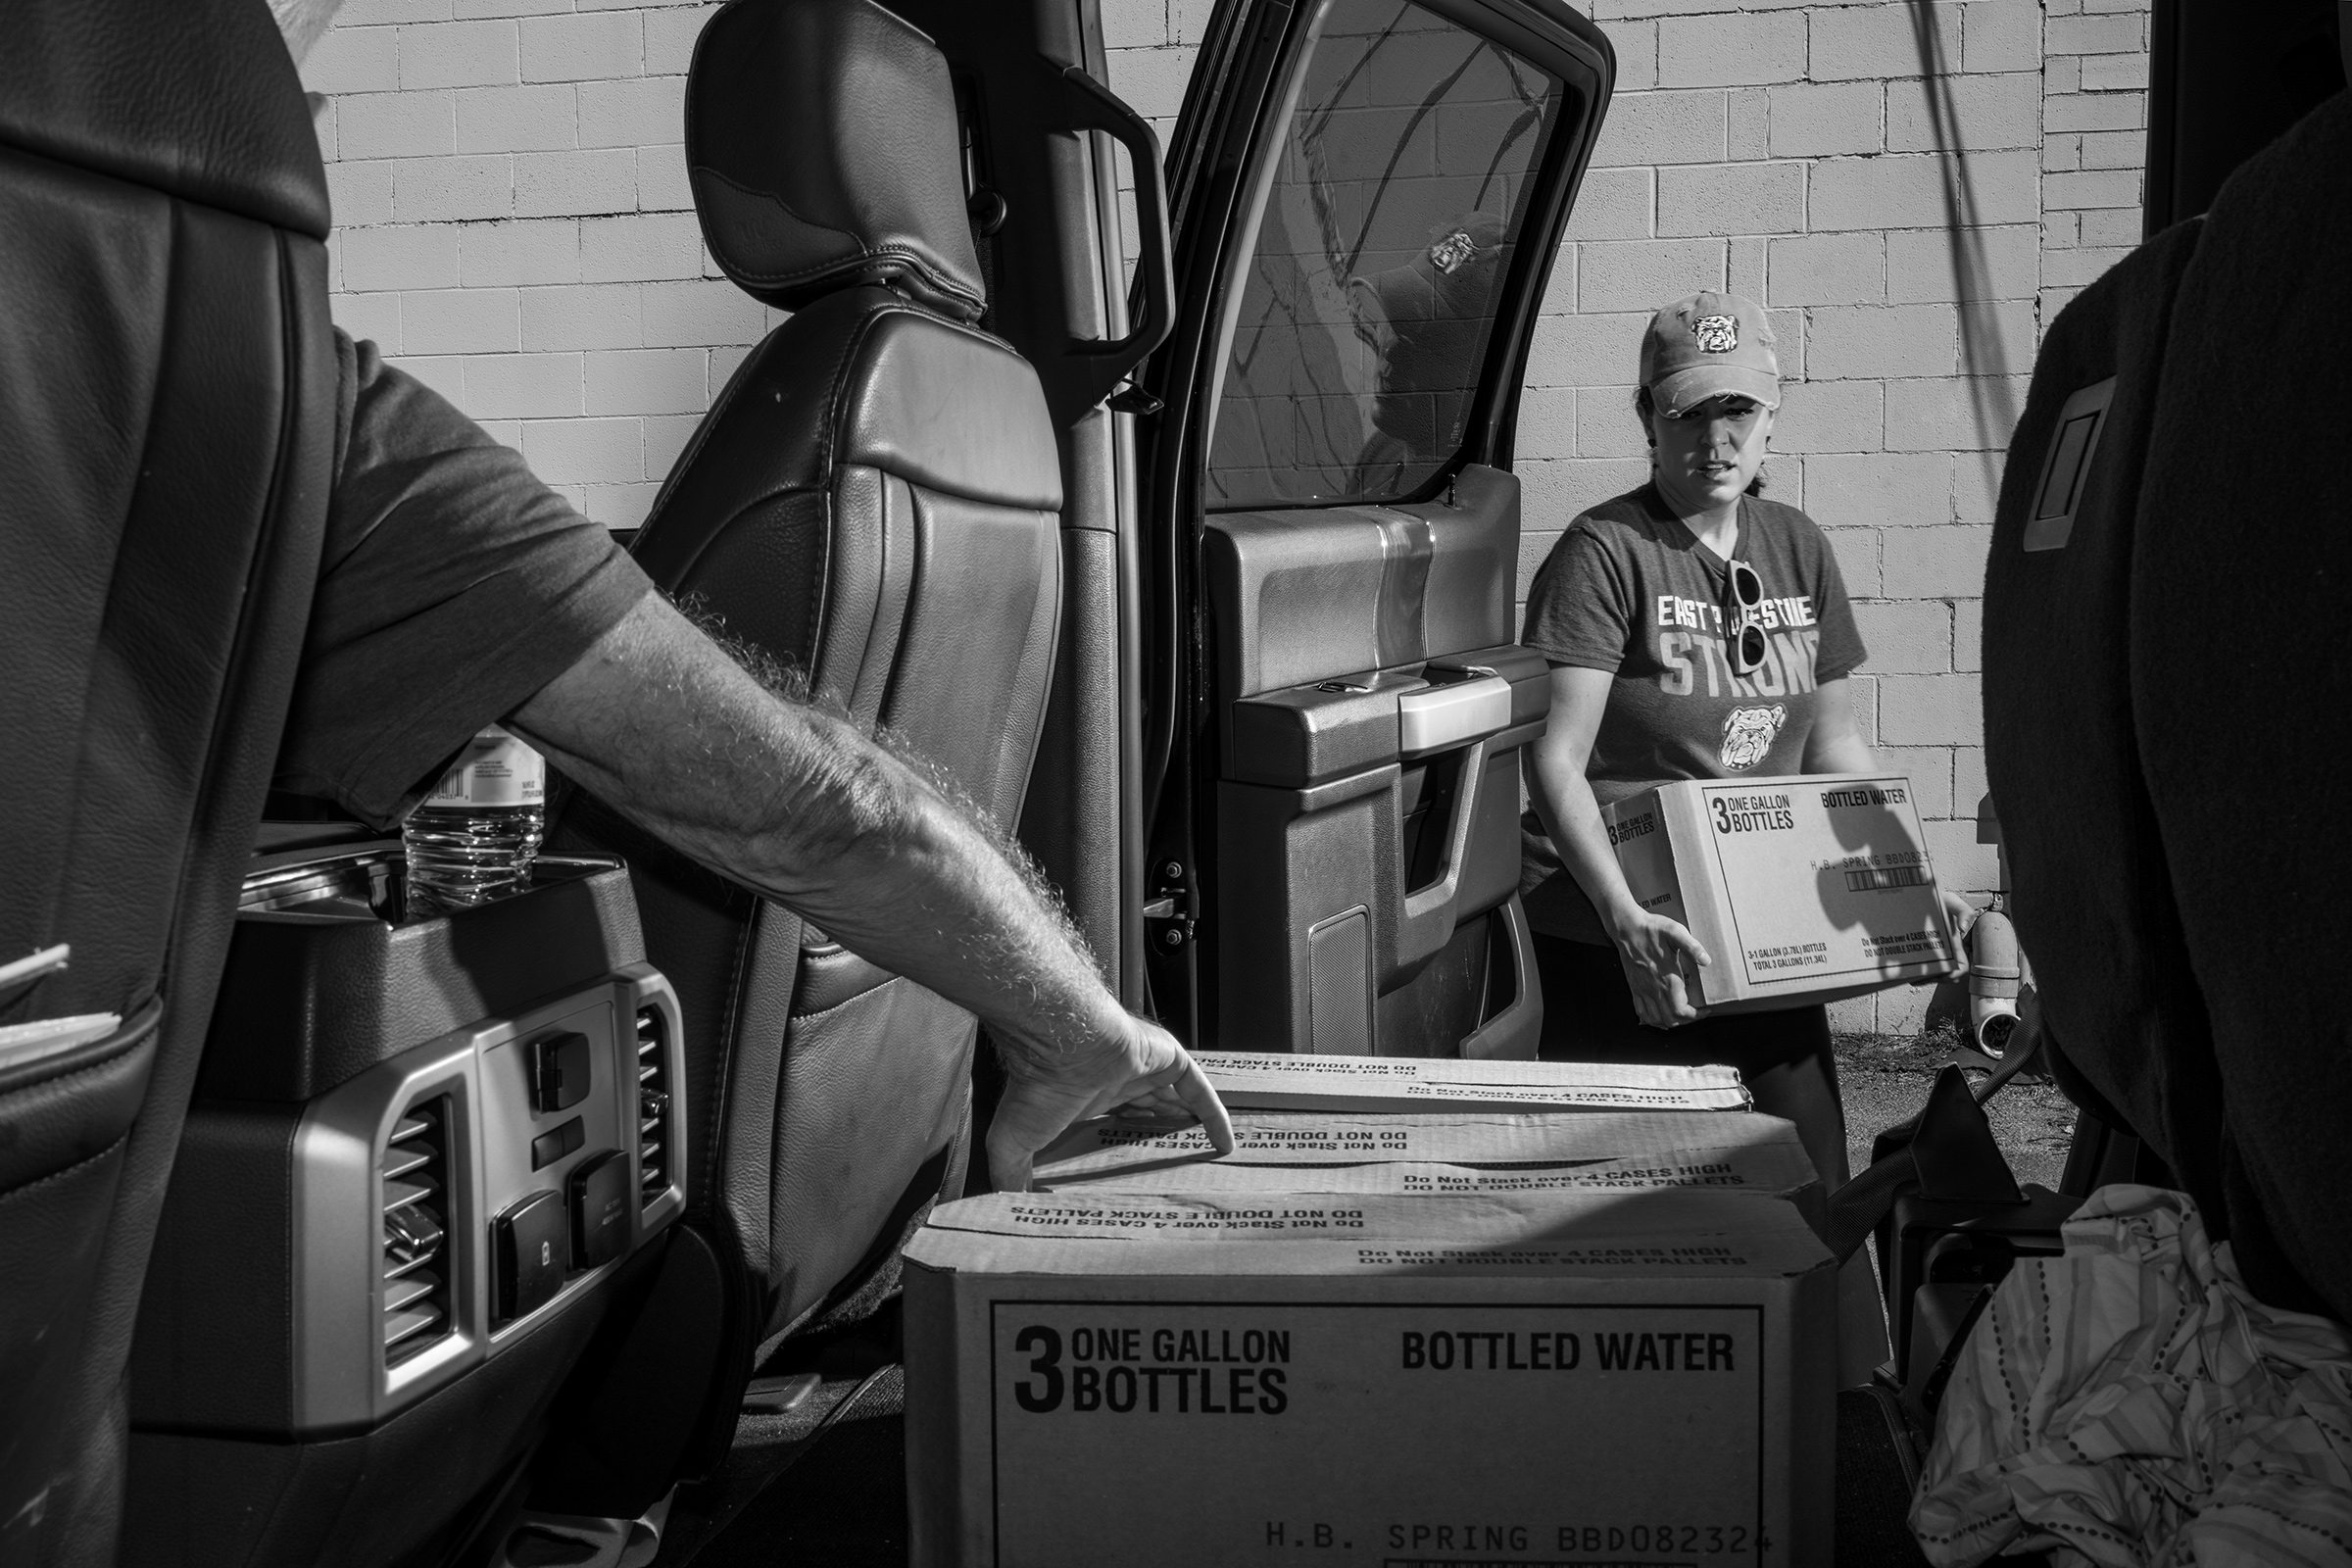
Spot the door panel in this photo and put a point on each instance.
(1367, 206)
(1371, 707)
(1299, 596)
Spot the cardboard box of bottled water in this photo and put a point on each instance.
(1435, 1152)
(1425, 1083)
(1369, 1379)
(1802, 889)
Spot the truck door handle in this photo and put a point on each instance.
(1440, 718)
(1099, 366)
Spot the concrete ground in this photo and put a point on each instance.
(1885, 1078)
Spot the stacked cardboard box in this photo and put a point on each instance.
(1477, 1327)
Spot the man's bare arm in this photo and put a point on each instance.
(661, 724)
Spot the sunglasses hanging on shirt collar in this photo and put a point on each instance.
(1744, 643)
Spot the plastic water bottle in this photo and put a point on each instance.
(475, 837)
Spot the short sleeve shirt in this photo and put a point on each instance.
(453, 586)
(1630, 590)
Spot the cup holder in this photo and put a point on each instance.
(369, 882)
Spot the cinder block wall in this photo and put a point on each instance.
(513, 227)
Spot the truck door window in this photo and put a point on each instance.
(1381, 229)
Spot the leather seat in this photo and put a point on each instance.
(167, 392)
(870, 508)
(2159, 751)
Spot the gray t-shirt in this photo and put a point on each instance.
(1627, 589)
(453, 586)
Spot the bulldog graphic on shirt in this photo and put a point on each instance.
(1748, 734)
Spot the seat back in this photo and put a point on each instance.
(872, 505)
(167, 397)
(2093, 903)
(2247, 528)
(2158, 747)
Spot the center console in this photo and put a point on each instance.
(423, 1157)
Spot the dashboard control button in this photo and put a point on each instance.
(600, 1195)
(560, 1071)
(549, 1147)
(528, 1248)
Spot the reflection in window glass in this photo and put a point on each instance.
(1388, 224)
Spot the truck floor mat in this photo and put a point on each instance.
(839, 1503)
(1876, 1473)
(767, 1444)
(1878, 1470)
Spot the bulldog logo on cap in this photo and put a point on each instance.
(1454, 252)
(1716, 334)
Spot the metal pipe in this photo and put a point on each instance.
(1996, 972)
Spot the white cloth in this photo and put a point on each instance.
(2128, 1404)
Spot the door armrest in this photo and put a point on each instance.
(1440, 718)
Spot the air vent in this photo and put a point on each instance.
(415, 1171)
(652, 1106)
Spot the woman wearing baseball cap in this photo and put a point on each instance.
(1694, 630)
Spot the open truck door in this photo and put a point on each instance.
(1367, 197)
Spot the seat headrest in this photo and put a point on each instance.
(823, 145)
(197, 99)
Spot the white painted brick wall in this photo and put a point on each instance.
(515, 226)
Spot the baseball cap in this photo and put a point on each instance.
(1709, 344)
(1450, 282)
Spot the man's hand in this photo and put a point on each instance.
(1145, 1070)
(1651, 948)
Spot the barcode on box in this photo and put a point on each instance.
(1883, 878)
